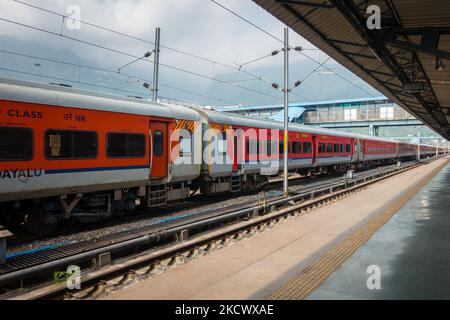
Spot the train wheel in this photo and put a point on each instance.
(39, 223)
(304, 172)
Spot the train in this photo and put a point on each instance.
(68, 155)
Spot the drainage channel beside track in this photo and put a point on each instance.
(193, 236)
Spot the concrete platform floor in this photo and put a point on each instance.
(412, 252)
(256, 267)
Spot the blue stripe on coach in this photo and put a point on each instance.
(59, 171)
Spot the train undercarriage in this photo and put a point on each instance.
(43, 216)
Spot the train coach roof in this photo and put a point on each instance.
(367, 137)
(240, 121)
(68, 97)
(237, 120)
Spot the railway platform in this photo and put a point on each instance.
(389, 240)
(411, 252)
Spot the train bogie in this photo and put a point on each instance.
(68, 155)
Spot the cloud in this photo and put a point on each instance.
(196, 26)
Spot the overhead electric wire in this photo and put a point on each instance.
(180, 51)
(292, 93)
(246, 20)
(133, 37)
(67, 80)
(109, 71)
(241, 69)
(89, 84)
(136, 57)
(274, 53)
(138, 94)
(255, 60)
(314, 71)
(282, 41)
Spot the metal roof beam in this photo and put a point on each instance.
(380, 73)
(347, 43)
(359, 55)
(429, 45)
(400, 67)
(393, 84)
(323, 5)
(374, 39)
(335, 46)
(418, 31)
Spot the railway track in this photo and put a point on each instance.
(20, 238)
(116, 256)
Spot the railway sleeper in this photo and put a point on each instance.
(190, 254)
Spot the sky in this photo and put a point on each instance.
(198, 27)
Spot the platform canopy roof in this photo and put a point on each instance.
(407, 59)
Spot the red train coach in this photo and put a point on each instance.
(86, 156)
(379, 149)
(66, 154)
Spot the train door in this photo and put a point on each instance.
(315, 150)
(236, 152)
(362, 150)
(356, 156)
(158, 149)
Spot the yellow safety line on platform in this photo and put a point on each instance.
(302, 285)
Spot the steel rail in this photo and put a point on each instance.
(146, 239)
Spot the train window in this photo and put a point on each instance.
(84, 145)
(329, 148)
(116, 145)
(16, 144)
(70, 145)
(222, 146)
(135, 145)
(281, 148)
(158, 143)
(349, 148)
(252, 147)
(336, 148)
(125, 145)
(321, 147)
(296, 147)
(269, 148)
(307, 147)
(180, 144)
(342, 148)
